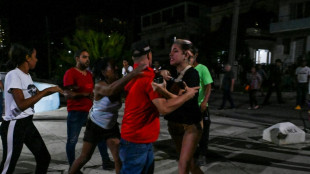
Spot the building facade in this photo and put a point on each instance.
(160, 28)
(292, 31)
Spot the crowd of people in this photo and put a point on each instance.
(182, 100)
(94, 99)
(259, 80)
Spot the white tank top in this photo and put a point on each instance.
(104, 113)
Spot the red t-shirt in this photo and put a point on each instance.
(85, 85)
(141, 118)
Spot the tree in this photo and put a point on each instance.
(98, 45)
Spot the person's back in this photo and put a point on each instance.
(141, 118)
(140, 125)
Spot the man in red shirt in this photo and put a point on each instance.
(140, 125)
(78, 84)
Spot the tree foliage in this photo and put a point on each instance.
(98, 45)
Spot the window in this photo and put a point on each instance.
(161, 43)
(287, 46)
(193, 11)
(155, 18)
(167, 15)
(307, 9)
(178, 13)
(299, 10)
(146, 21)
(262, 56)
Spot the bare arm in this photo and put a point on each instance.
(23, 103)
(118, 85)
(232, 85)
(166, 106)
(203, 105)
(161, 89)
(69, 93)
(1, 86)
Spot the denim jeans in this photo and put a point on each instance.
(136, 158)
(75, 121)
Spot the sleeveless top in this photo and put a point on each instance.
(104, 113)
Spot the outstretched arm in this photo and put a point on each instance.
(166, 106)
(161, 89)
(118, 85)
(23, 103)
(69, 93)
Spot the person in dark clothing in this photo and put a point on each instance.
(274, 82)
(184, 123)
(227, 87)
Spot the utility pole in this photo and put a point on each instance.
(234, 32)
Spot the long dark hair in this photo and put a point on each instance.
(101, 65)
(17, 55)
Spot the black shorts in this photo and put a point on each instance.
(95, 134)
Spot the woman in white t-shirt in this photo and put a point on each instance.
(17, 128)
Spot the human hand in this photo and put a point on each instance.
(191, 91)
(90, 95)
(166, 74)
(157, 86)
(203, 107)
(53, 89)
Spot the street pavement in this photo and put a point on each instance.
(236, 145)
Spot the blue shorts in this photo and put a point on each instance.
(136, 158)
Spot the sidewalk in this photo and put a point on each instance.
(235, 146)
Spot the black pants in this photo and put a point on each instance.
(204, 141)
(270, 90)
(227, 96)
(14, 135)
(302, 89)
(252, 95)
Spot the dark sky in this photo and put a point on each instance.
(27, 18)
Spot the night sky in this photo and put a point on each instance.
(29, 21)
(27, 18)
